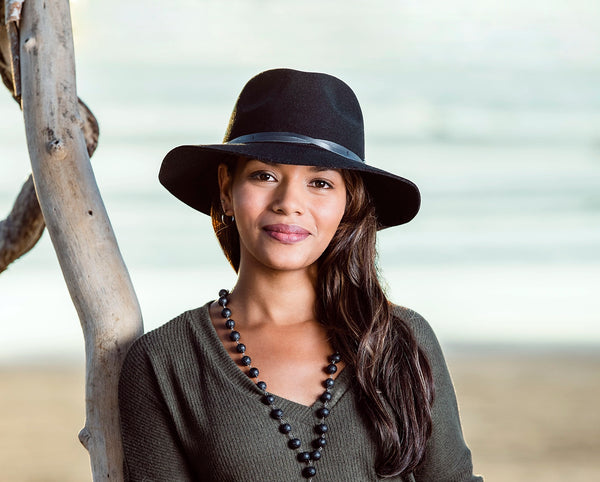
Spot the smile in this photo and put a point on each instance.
(286, 233)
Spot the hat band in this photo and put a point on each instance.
(293, 138)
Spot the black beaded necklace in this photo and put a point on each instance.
(307, 458)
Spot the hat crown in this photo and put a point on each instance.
(308, 103)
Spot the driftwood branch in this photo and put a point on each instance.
(77, 222)
(12, 15)
(24, 226)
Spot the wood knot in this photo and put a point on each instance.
(56, 148)
(84, 437)
(29, 44)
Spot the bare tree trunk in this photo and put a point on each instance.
(77, 222)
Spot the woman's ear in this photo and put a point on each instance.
(225, 184)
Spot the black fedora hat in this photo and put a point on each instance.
(291, 117)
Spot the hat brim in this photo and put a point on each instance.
(190, 174)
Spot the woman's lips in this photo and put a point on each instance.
(286, 233)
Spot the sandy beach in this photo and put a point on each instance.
(525, 416)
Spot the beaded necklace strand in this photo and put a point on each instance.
(304, 457)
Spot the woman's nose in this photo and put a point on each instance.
(289, 198)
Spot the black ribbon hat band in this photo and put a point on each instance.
(293, 138)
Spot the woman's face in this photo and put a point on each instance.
(286, 215)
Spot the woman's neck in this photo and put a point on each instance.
(275, 297)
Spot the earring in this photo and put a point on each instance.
(224, 219)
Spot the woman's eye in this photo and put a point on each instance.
(321, 184)
(263, 176)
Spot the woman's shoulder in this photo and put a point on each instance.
(408, 315)
(170, 355)
(420, 327)
(175, 334)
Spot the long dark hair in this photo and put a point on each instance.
(392, 372)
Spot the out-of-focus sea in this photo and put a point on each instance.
(492, 107)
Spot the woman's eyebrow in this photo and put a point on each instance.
(323, 168)
(261, 161)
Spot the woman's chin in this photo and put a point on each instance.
(290, 266)
(284, 262)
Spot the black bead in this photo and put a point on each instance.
(268, 399)
(223, 301)
(253, 372)
(325, 397)
(261, 385)
(323, 412)
(335, 358)
(246, 361)
(303, 456)
(308, 472)
(319, 442)
(330, 369)
(321, 428)
(285, 428)
(223, 293)
(230, 324)
(240, 348)
(329, 383)
(234, 335)
(294, 443)
(315, 455)
(276, 413)
(225, 312)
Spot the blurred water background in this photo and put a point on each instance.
(492, 107)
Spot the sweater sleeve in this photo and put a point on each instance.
(447, 457)
(151, 447)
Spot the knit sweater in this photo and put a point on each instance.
(189, 413)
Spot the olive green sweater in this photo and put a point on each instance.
(189, 413)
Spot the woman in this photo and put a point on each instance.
(304, 370)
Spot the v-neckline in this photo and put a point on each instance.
(233, 371)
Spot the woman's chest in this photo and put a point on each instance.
(232, 435)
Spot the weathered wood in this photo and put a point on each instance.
(24, 225)
(12, 17)
(6, 65)
(77, 222)
(22, 228)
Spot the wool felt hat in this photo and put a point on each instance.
(287, 116)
